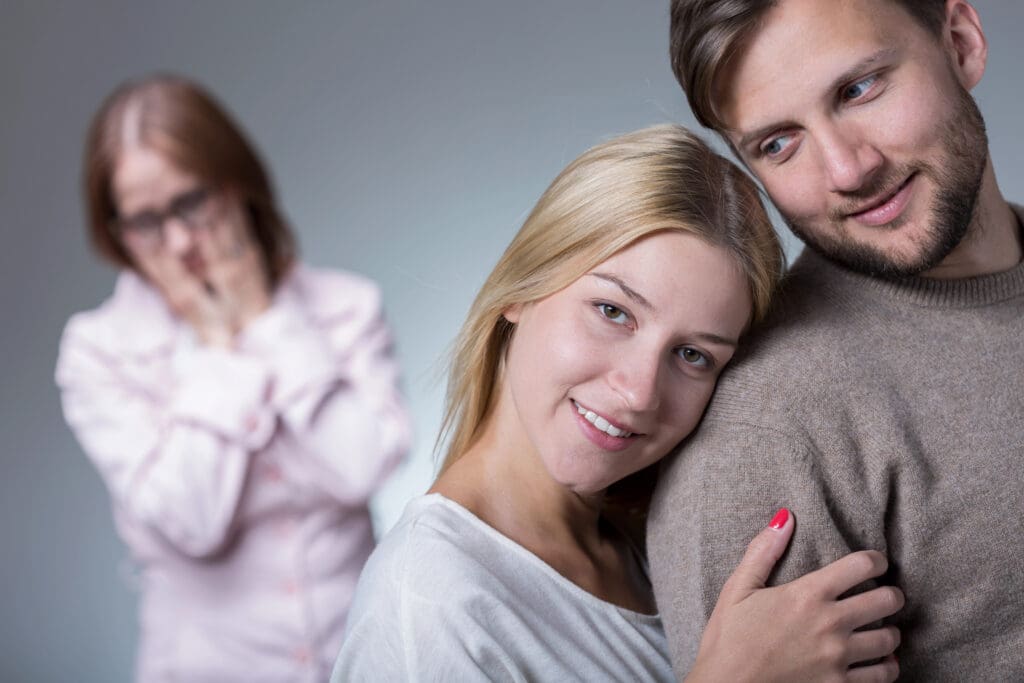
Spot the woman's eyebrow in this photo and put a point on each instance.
(717, 340)
(636, 296)
(626, 289)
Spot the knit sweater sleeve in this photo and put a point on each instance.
(714, 495)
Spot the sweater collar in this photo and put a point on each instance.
(970, 292)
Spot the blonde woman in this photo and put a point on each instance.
(591, 351)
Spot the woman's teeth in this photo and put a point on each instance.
(601, 423)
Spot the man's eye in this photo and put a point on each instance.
(855, 90)
(613, 313)
(775, 146)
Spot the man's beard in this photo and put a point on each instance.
(957, 177)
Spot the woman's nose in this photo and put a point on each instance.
(638, 382)
(177, 236)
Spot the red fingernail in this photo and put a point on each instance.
(780, 518)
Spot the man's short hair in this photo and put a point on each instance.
(706, 34)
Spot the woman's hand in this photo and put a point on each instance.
(228, 288)
(800, 631)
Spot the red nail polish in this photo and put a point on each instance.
(780, 518)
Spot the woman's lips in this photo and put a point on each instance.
(599, 437)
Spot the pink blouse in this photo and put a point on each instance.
(240, 479)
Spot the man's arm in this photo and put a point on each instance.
(714, 496)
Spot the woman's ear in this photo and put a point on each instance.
(967, 41)
(512, 313)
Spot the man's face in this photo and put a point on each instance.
(852, 116)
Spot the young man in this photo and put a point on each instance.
(884, 400)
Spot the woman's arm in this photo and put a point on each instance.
(336, 384)
(174, 461)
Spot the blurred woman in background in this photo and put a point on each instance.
(240, 406)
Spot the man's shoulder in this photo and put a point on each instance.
(805, 320)
(801, 356)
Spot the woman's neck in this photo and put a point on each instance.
(502, 480)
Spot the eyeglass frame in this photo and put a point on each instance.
(193, 208)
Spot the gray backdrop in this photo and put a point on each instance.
(408, 140)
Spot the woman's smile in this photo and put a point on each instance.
(603, 423)
(600, 431)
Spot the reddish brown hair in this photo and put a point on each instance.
(183, 122)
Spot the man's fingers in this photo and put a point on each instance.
(762, 553)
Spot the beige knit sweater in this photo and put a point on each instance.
(886, 415)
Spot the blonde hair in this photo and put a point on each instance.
(655, 179)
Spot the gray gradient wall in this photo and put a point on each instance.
(408, 140)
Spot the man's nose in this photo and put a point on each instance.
(849, 159)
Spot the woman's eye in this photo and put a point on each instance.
(855, 90)
(693, 357)
(191, 207)
(147, 222)
(613, 313)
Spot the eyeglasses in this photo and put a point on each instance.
(194, 209)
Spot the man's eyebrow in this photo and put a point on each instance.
(626, 289)
(759, 133)
(858, 70)
(853, 72)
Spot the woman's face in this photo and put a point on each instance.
(608, 374)
(171, 223)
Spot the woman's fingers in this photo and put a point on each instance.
(183, 291)
(758, 561)
(883, 672)
(874, 644)
(836, 578)
(870, 606)
(234, 266)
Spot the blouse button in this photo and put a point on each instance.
(252, 422)
(301, 654)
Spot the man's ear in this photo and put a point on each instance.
(512, 313)
(965, 39)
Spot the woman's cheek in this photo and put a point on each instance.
(154, 269)
(572, 348)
